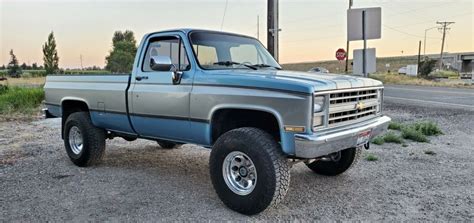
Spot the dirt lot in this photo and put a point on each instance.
(139, 181)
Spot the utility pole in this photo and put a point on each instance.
(424, 42)
(347, 46)
(419, 58)
(81, 62)
(272, 28)
(444, 27)
(258, 27)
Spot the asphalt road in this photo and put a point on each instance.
(461, 98)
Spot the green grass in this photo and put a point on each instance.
(395, 126)
(428, 128)
(378, 140)
(412, 134)
(18, 100)
(391, 137)
(371, 157)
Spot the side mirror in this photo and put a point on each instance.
(161, 63)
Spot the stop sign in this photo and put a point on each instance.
(340, 54)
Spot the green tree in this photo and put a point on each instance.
(50, 55)
(122, 55)
(14, 70)
(426, 67)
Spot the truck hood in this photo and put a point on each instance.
(285, 80)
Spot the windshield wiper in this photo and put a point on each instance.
(230, 63)
(265, 65)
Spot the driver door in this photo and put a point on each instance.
(159, 108)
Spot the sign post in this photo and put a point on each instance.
(364, 24)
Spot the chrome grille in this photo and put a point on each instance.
(352, 106)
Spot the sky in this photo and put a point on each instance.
(312, 30)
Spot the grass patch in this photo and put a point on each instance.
(371, 157)
(391, 137)
(395, 126)
(378, 140)
(408, 80)
(18, 100)
(428, 128)
(412, 134)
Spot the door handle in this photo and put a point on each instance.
(139, 78)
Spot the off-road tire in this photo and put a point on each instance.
(272, 169)
(349, 157)
(93, 140)
(166, 144)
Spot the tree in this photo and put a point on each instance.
(24, 66)
(50, 55)
(2, 67)
(34, 66)
(426, 66)
(122, 55)
(13, 69)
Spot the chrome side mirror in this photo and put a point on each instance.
(161, 63)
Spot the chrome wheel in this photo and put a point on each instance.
(239, 173)
(75, 140)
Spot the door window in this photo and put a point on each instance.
(171, 47)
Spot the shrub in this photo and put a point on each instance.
(371, 157)
(15, 100)
(378, 140)
(412, 134)
(428, 128)
(443, 74)
(395, 126)
(392, 138)
(426, 66)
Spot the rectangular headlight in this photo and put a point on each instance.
(318, 104)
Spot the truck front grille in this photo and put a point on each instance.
(352, 106)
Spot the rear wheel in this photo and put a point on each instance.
(336, 163)
(248, 170)
(84, 143)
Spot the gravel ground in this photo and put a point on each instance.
(139, 181)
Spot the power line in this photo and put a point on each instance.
(409, 34)
(223, 16)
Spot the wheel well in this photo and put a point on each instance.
(70, 106)
(225, 120)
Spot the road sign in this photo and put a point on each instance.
(356, 26)
(358, 62)
(340, 54)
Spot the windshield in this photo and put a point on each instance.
(226, 51)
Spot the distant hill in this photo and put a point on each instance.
(335, 66)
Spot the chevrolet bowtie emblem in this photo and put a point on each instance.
(360, 105)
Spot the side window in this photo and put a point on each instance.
(171, 47)
(207, 55)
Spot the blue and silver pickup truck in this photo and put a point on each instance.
(225, 92)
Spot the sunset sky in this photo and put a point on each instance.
(312, 29)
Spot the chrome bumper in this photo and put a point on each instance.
(330, 141)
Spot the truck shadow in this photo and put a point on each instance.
(184, 174)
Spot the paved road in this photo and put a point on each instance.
(430, 96)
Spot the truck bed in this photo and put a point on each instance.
(104, 95)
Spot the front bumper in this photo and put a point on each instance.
(330, 141)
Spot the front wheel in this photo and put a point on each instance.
(248, 170)
(336, 163)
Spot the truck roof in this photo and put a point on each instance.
(188, 30)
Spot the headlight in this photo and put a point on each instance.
(318, 103)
